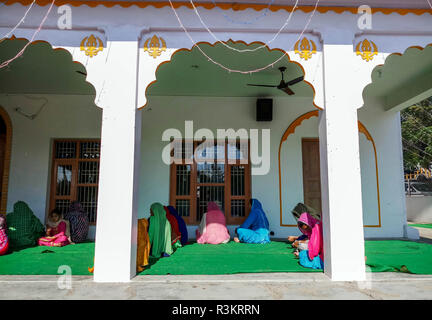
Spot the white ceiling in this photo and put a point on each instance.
(190, 74)
(41, 70)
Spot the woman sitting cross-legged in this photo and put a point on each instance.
(159, 232)
(255, 229)
(24, 228)
(57, 232)
(212, 228)
(305, 223)
(313, 257)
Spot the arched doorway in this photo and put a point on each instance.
(312, 183)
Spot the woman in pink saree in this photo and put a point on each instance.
(212, 228)
(58, 231)
(313, 255)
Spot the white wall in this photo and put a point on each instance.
(62, 117)
(236, 113)
(419, 208)
(77, 117)
(385, 129)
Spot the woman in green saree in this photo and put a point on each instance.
(159, 231)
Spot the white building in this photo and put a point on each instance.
(117, 74)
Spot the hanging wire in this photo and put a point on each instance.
(244, 50)
(6, 63)
(19, 23)
(239, 71)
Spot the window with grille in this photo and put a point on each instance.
(75, 175)
(203, 172)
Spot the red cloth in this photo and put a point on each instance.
(175, 230)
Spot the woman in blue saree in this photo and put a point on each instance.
(255, 229)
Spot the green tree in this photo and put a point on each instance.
(417, 135)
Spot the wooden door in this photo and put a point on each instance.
(311, 173)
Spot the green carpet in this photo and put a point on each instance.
(32, 261)
(230, 258)
(399, 255)
(422, 225)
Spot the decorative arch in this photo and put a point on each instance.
(291, 129)
(234, 42)
(392, 61)
(80, 67)
(7, 158)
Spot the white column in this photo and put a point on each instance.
(116, 229)
(340, 166)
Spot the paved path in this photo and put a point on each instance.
(241, 287)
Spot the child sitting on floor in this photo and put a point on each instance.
(4, 240)
(58, 231)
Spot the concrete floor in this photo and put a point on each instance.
(240, 287)
(224, 287)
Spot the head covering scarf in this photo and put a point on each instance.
(181, 224)
(307, 219)
(301, 207)
(79, 222)
(215, 226)
(24, 228)
(159, 231)
(257, 218)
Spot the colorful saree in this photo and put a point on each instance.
(213, 228)
(175, 232)
(79, 222)
(24, 228)
(181, 224)
(159, 231)
(143, 245)
(255, 229)
(4, 240)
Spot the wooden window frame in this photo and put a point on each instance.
(75, 169)
(192, 197)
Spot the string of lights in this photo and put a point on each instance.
(19, 23)
(234, 70)
(244, 50)
(6, 63)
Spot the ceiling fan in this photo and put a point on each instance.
(284, 86)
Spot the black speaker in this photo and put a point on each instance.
(264, 110)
